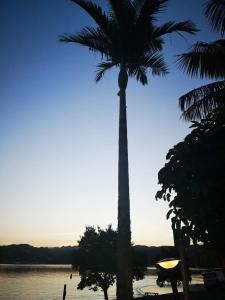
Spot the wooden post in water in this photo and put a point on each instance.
(64, 292)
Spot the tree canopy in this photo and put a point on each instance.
(95, 259)
(127, 33)
(193, 181)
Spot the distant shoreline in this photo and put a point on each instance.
(27, 254)
(24, 266)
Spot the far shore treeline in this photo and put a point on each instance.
(197, 256)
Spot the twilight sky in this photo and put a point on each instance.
(59, 129)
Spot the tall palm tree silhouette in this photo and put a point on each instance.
(127, 38)
(206, 60)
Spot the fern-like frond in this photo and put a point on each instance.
(122, 11)
(147, 9)
(215, 12)
(139, 72)
(151, 62)
(93, 38)
(102, 68)
(170, 27)
(205, 60)
(156, 63)
(96, 13)
(198, 103)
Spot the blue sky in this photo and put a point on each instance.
(59, 129)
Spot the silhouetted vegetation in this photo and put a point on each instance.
(206, 60)
(96, 259)
(126, 37)
(198, 256)
(26, 254)
(193, 182)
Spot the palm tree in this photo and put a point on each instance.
(206, 60)
(127, 38)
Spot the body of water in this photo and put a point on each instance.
(46, 282)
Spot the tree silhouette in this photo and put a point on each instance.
(193, 183)
(206, 60)
(96, 260)
(127, 37)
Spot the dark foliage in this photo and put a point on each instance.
(193, 183)
(206, 60)
(96, 259)
(26, 254)
(197, 103)
(215, 12)
(128, 34)
(198, 256)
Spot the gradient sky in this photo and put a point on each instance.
(59, 129)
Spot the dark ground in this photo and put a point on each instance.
(213, 295)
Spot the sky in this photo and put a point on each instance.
(59, 129)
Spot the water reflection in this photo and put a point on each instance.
(45, 282)
(18, 268)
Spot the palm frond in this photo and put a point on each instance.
(93, 38)
(139, 72)
(156, 63)
(215, 12)
(205, 60)
(102, 68)
(127, 34)
(170, 27)
(137, 4)
(122, 11)
(96, 13)
(147, 9)
(198, 103)
(155, 43)
(152, 61)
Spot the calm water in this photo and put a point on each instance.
(45, 282)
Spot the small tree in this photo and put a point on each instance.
(96, 260)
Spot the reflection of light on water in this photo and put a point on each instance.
(151, 287)
(44, 282)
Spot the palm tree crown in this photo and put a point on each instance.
(128, 35)
(206, 60)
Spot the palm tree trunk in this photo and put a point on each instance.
(105, 294)
(124, 268)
